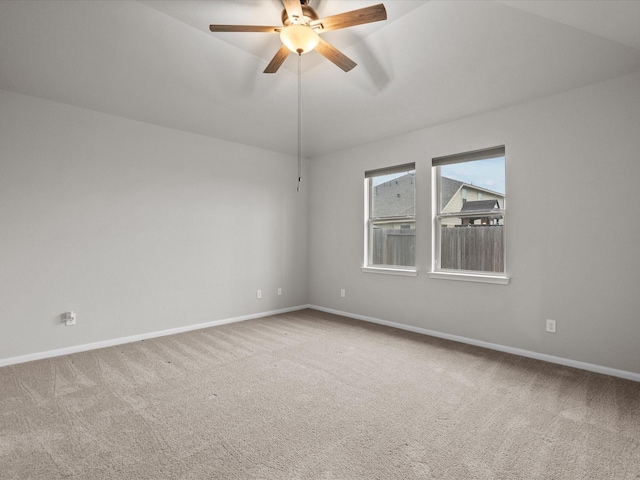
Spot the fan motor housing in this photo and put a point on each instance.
(308, 14)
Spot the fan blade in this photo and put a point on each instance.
(336, 56)
(293, 8)
(361, 16)
(244, 28)
(279, 58)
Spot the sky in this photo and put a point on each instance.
(482, 173)
(489, 174)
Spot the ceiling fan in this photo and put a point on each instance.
(301, 26)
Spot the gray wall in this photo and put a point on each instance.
(137, 228)
(573, 183)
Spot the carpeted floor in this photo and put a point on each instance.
(308, 395)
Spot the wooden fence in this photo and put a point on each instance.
(478, 248)
(394, 246)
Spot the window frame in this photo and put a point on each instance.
(369, 221)
(438, 217)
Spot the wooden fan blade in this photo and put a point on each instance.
(244, 28)
(374, 13)
(293, 8)
(279, 58)
(336, 56)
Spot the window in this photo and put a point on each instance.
(469, 215)
(390, 227)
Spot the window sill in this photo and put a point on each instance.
(405, 272)
(470, 277)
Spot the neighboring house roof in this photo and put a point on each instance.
(451, 187)
(448, 187)
(395, 197)
(472, 206)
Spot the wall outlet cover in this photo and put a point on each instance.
(69, 318)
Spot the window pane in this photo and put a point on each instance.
(478, 249)
(474, 181)
(391, 245)
(474, 239)
(391, 225)
(393, 195)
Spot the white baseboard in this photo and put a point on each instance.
(136, 338)
(456, 338)
(492, 346)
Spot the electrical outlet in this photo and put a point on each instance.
(343, 293)
(279, 291)
(69, 318)
(551, 326)
(259, 294)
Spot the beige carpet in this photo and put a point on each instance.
(309, 395)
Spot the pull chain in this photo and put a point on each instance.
(299, 120)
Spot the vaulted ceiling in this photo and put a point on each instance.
(431, 62)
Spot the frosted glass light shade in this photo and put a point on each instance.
(299, 38)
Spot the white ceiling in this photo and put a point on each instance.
(430, 62)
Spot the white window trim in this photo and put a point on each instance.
(403, 272)
(367, 267)
(470, 277)
(459, 275)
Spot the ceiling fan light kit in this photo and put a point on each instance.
(299, 38)
(301, 26)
